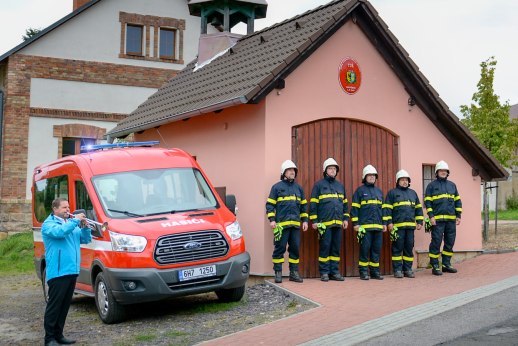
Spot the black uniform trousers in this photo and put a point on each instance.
(290, 237)
(329, 252)
(61, 290)
(404, 244)
(448, 231)
(370, 248)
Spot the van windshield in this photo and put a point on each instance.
(153, 192)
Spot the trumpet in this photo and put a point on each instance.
(89, 222)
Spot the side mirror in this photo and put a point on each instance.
(230, 202)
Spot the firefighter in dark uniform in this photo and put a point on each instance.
(329, 214)
(367, 219)
(286, 208)
(444, 208)
(403, 213)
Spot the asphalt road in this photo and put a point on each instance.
(488, 321)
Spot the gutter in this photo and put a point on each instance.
(146, 126)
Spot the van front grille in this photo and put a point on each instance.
(190, 247)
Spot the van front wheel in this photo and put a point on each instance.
(231, 294)
(109, 310)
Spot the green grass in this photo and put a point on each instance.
(175, 333)
(145, 337)
(16, 254)
(504, 215)
(213, 307)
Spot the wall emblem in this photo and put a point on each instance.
(350, 76)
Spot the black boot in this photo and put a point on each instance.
(436, 270)
(278, 276)
(294, 276)
(376, 276)
(409, 274)
(324, 277)
(398, 274)
(448, 268)
(336, 277)
(364, 276)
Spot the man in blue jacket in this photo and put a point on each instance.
(62, 237)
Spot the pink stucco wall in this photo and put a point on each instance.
(242, 147)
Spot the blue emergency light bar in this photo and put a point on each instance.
(86, 148)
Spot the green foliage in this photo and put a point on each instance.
(511, 202)
(489, 120)
(214, 307)
(29, 33)
(16, 254)
(505, 214)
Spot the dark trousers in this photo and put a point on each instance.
(61, 290)
(403, 245)
(448, 231)
(329, 254)
(290, 237)
(370, 249)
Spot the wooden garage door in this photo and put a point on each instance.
(353, 144)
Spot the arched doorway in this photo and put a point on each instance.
(353, 144)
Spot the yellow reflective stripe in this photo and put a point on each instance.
(355, 205)
(447, 253)
(427, 198)
(346, 214)
(419, 217)
(458, 209)
(314, 200)
(333, 258)
(385, 218)
(373, 225)
(323, 259)
(278, 260)
(408, 259)
(329, 195)
(363, 264)
(270, 214)
(313, 217)
(345, 200)
(387, 206)
(371, 201)
(397, 258)
(418, 206)
(287, 198)
(332, 222)
(456, 198)
(340, 195)
(444, 195)
(405, 224)
(397, 204)
(272, 201)
(289, 223)
(303, 215)
(429, 209)
(431, 255)
(291, 260)
(374, 264)
(354, 219)
(447, 217)
(304, 201)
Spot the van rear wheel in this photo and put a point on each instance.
(109, 310)
(231, 294)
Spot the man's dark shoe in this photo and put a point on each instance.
(324, 277)
(294, 276)
(398, 274)
(436, 270)
(409, 274)
(377, 276)
(278, 276)
(336, 277)
(52, 343)
(364, 276)
(448, 269)
(65, 341)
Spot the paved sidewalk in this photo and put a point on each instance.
(345, 307)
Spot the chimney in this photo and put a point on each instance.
(78, 3)
(223, 15)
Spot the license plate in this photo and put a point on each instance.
(196, 273)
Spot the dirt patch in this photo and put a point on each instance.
(179, 321)
(506, 237)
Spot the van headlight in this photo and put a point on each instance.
(127, 243)
(234, 231)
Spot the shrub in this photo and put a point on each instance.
(511, 203)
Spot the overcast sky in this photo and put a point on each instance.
(447, 39)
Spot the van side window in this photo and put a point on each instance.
(83, 200)
(45, 191)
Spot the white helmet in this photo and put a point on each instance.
(369, 169)
(330, 162)
(287, 165)
(402, 174)
(441, 165)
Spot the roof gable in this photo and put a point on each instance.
(248, 71)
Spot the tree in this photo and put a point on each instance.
(489, 121)
(29, 33)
